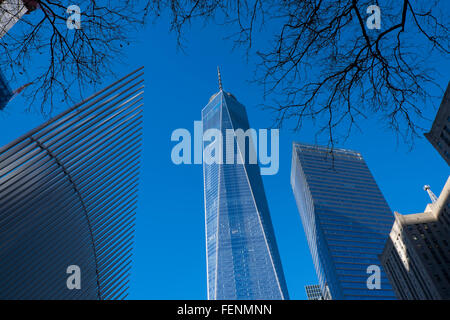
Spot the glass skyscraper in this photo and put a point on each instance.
(5, 91)
(242, 255)
(345, 217)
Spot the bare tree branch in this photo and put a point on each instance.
(42, 50)
(325, 65)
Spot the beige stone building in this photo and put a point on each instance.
(416, 257)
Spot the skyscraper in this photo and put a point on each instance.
(68, 199)
(439, 135)
(242, 255)
(345, 217)
(417, 252)
(5, 91)
(11, 11)
(313, 292)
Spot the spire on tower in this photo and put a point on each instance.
(220, 79)
(430, 193)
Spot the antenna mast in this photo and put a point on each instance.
(220, 79)
(430, 193)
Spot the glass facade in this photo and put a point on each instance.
(345, 217)
(242, 255)
(5, 92)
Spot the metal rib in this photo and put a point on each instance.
(70, 185)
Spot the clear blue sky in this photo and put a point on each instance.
(169, 259)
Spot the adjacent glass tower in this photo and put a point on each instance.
(242, 255)
(345, 217)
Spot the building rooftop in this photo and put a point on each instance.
(326, 149)
(432, 210)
